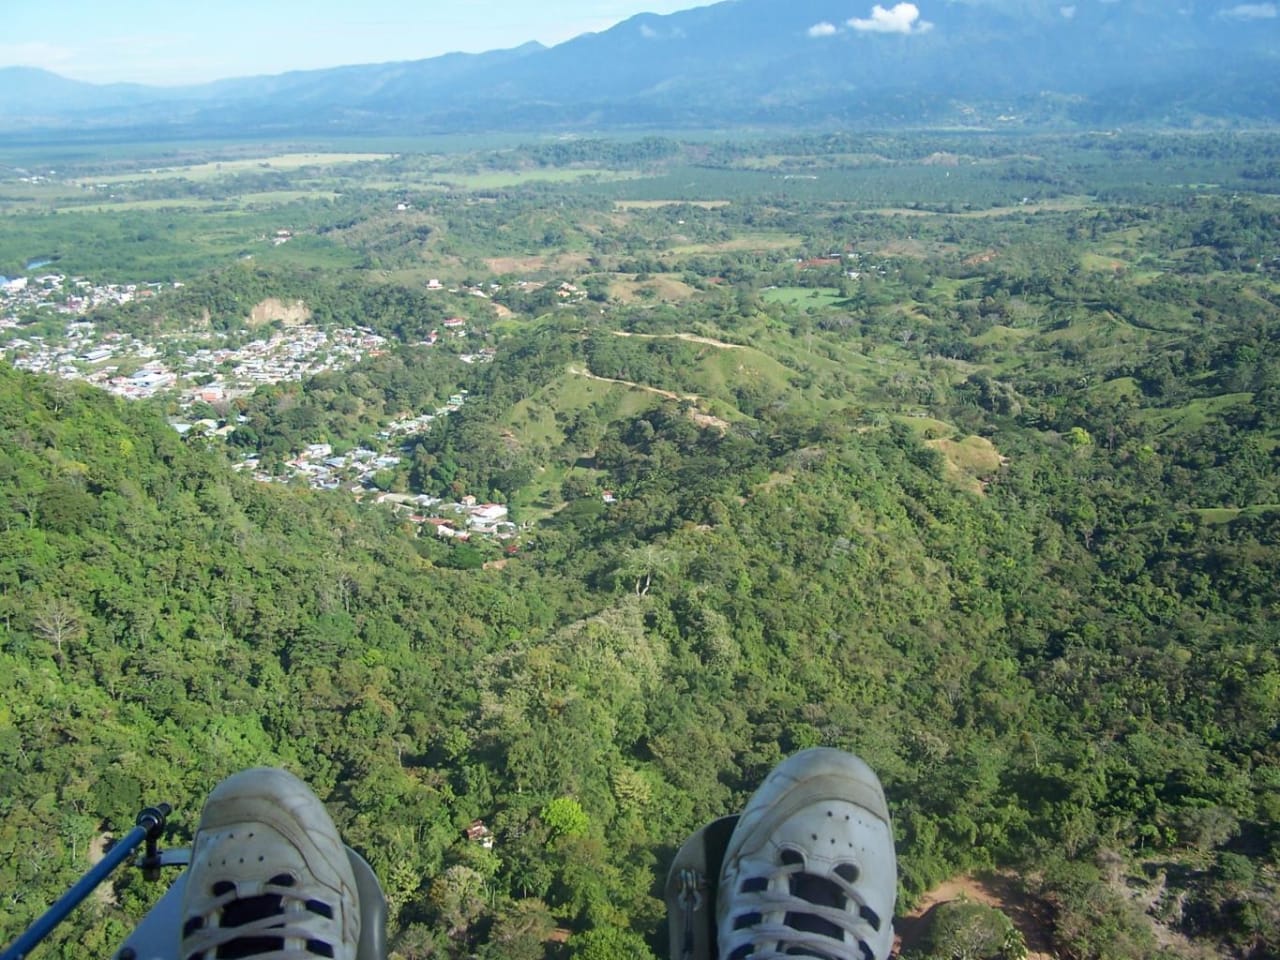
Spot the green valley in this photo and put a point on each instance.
(957, 450)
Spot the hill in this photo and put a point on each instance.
(981, 486)
(984, 63)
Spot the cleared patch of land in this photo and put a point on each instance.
(273, 308)
(969, 462)
(1042, 206)
(691, 337)
(498, 179)
(1028, 915)
(223, 168)
(748, 241)
(927, 428)
(654, 204)
(263, 200)
(658, 287)
(537, 264)
(803, 296)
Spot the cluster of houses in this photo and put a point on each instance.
(68, 295)
(290, 354)
(851, 261)
(460, 520)
(321, 469)
(126, 366)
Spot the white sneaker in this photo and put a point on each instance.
(810, 869)
(269, 876)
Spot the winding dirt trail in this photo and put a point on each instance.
(704, 420)
(580, 372)
(691, 337)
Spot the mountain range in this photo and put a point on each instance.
(782, 63)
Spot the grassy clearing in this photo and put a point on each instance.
(1061, 205)
(534, 421)
(224, 168)
(1222, 515)
(655, 204)
(1119, 389)
(499, 179)
(1101, 263)
(266, 199)
(801, 297)
(1195, 415)
(968, 462)
(563, 263)
(171, 203)
(1217, 516)
(659, 288)
(722, 370)
(1002, 336)
(977, 456)
(745, 242)
(927, 428)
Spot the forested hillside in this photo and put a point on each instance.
(986, 495)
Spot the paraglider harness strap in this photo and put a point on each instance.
(693, 888)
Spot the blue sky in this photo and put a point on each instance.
(176, 42)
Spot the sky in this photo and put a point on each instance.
(173, 42)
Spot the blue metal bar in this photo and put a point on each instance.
(150, 823)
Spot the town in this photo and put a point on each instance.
(216, 375)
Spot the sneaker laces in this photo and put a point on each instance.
(280, 923)
(821, 916)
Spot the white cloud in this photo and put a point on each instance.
(902, 18)
(1251, 11)
(653, 33)
(1067, 12)
(823, 29)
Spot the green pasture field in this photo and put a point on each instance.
(658, 204)
(1059, 205)
(927, 428)
(535, 415)
(221, 168)
(803, 297)
(161, 240)
(107, 154)
(502, 179)
(1218, 516)
(1195, 415)
(747, 240)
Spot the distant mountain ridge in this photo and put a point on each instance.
(755, 62)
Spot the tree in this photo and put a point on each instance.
(458, 898)
(609, 943)
(520, 931)
(564, 817)
(642, 564)
(58, 621)
(961, 930)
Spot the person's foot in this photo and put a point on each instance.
(810, 869)
(269, 876)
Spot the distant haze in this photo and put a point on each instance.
(171, 44)
(990, 64)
